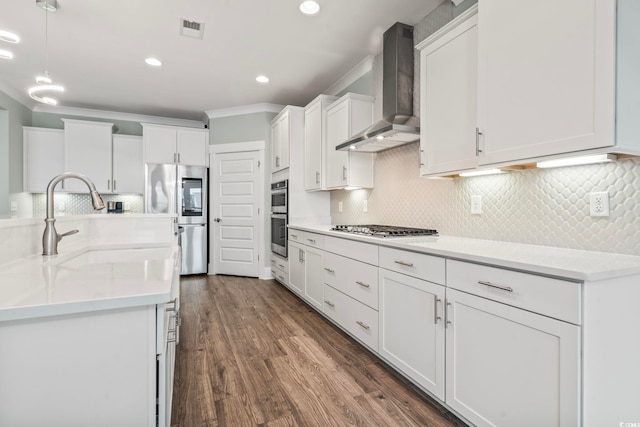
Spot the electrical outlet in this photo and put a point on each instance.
(599, 204)
(339, 206)
(365, 205)
(126, 206)
(476, 205)
(14, 206)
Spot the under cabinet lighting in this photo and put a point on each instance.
(352, 188)
(482, 172)
(574, 161)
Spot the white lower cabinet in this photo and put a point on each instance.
(280, 269)
(306, 267)
(510, 367)
(358, 319)
(412, 334)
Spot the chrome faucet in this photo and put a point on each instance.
(50, 238)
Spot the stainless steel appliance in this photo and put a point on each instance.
(279, 217)
(385, 230)
(182, 190)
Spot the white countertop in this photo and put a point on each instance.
(87, 279)
(573, 264)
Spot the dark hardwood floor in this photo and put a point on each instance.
(252, 354)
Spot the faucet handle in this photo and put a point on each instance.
(68, 233)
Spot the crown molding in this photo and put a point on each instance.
(362, 68)
(21, 98)
(114, 115)
(244, 109)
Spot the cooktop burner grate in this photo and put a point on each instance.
(384, 230)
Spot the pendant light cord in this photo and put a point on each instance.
(46, 41)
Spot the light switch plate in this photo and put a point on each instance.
(339, 206)
(476, 205)
(365, 205)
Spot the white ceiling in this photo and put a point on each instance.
(97, 50)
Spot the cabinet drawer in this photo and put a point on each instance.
(280, 276)
(279, 263)
(555, 298)
(310, 239)
(354, 317)
(313, 240)
(422, 266)
(364, 252)
(296, 235)
(354, 278)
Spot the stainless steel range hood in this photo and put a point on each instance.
(398, 126)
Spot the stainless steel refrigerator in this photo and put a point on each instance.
(181, 190)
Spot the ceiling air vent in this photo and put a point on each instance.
(191, 28)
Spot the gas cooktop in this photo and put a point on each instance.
(384, 230)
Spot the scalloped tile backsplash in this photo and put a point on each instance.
(541, 206)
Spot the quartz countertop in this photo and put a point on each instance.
(88, 279)
(573, 264)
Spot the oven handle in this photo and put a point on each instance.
(279, 216)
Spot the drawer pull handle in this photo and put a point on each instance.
(493, 285)
(447, 317)
(280, 277)
(406, 264)
(329, 270)
(364, 285)
(329, 303)
(436, 300)
(313, 241)
(361, 323)
(281, 266)
(174, 305)
(295, 236)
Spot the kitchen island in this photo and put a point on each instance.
(89, 335)
(500, 333)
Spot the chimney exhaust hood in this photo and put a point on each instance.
(399, 126)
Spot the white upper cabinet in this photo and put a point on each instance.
(286, 129)
(43, 158)
(128, 165)
(347, 116)
(448, 114)
(546, 78)
(87, 150)
(315, 140)
(173, 144)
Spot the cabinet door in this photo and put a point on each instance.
(314, 282)
(313, 147)
(128, 167)
(545, 77)
(412, 328)
(87, 149)
(296, 268)
(275, 146)
(43, 158)
(192, 147)
(448, 111)
(337, 132)
(510, 367)
(159, 144)
(285, 140)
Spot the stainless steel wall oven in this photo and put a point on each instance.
(279, 217)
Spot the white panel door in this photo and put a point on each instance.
(235, 203)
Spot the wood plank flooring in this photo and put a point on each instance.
(252, 354)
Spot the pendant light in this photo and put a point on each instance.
(45, 86)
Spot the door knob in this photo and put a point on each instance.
(217, 220)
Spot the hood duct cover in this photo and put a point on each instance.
(398, 126)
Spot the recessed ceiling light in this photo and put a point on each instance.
(153, 62)
(8, 37)
(5, 54)
(262, 79)
(309, 7)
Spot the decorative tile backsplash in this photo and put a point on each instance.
(540, 206)
(80, 204)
